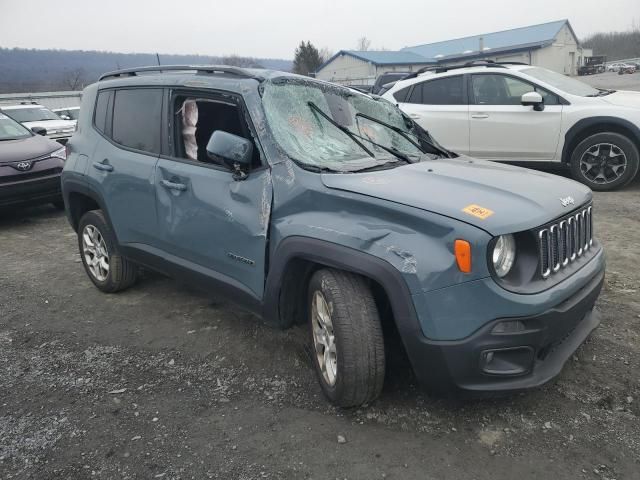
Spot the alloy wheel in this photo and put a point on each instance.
(603, 163)
(96, 255)
(324, 338)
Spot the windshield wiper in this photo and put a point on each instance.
(342, 128)
(602, 92)
(392, 127)
(354, 136)
(406, 135)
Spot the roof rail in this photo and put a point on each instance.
(474, 63)
(199, 69)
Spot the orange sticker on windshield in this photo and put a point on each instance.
(478, 211)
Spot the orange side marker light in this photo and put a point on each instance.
(462, 250)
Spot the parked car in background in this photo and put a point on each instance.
(620, 66)
(30, 166)
(593, 65)
(520, 113)
(309, 202)
(33, 115)
(68, 113)
(627, 68)
(386, 78)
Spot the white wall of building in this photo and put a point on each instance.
(348, 70)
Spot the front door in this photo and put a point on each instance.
(212, 222)
(501, 128)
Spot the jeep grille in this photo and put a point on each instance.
(563, 242)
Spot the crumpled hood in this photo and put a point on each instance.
(519, 198)
(26, 148)
(623, 98)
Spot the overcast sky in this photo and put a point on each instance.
(273, 28)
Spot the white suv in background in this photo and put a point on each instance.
(518, 113)
(34, 116)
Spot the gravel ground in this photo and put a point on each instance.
(613, 80)
(162, 382)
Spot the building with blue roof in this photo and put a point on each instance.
(552, 45)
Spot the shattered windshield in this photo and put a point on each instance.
(334, 128)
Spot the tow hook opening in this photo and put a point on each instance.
(507, 361)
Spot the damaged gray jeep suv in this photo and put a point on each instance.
(308, 202)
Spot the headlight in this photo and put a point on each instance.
(61, 154)
(504, 254)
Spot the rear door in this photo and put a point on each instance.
(211, 222)
(123, 165)
(440, 106)
(501, 128)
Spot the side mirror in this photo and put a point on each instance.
(39, 131)
(533, 99)
(237, 151)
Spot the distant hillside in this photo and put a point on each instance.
(615, 45)
(23, 70)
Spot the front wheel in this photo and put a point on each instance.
(347, 338)
(107, 269)
(605, 161)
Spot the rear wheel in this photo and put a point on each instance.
(107, 269)
(347, 339)
(605, 161)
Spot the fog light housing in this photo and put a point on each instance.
(507, 361)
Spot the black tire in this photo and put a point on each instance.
(122, 272)
(357, 334)
(618, 141)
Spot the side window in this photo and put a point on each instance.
(197, 118)
(496, 89)
(137, 117)
(100, 115)
(401, 95)
(442, 91)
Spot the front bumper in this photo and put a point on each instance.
(39, 185)
(511, 359)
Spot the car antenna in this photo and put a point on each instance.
(158, 58)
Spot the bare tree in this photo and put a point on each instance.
(363, 44)
(74, 79)
(325, 54)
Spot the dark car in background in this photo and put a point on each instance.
(30, 166)
(385, 78)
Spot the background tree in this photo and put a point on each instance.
(238, 61)
(615, 45)
(74, 79)
(306, 59)
(325, 54)
(363, 44)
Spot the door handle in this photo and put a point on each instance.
(415, 116)
(180, 187)
(480, 115)
(103, 166)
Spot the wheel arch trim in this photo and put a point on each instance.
(587, 123)
(341, 257)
